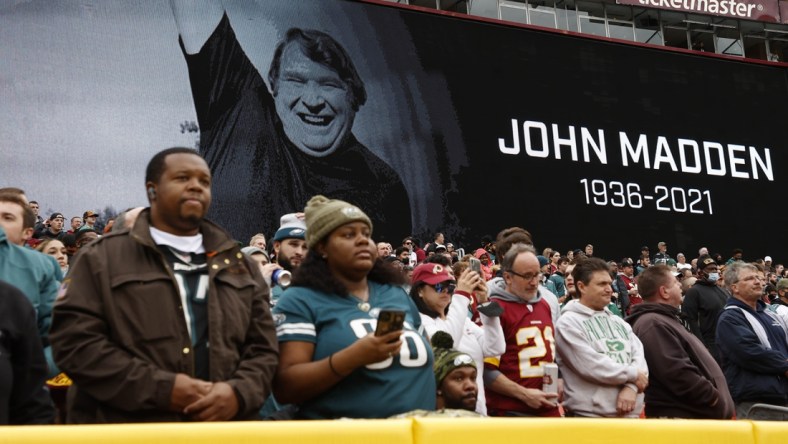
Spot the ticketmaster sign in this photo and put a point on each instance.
(763, 10)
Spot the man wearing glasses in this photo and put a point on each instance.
(753, 346)
(514, 379)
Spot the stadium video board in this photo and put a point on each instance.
(438, 122)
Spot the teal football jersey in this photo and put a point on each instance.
(398, 384)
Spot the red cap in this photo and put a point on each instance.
(432, 274)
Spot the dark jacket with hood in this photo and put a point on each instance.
(119, 331)
(684, 379)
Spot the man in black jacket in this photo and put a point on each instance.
(24, 398)
(704, 302)
(53, 229)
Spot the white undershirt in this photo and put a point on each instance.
(186, 244)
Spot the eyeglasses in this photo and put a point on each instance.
(526, 276)
(447, 287)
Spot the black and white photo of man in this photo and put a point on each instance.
(271, 151)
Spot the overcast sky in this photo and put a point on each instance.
(89, 91)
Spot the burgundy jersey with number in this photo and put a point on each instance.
(529, 333)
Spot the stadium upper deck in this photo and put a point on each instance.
(754, 29)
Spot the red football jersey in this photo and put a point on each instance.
(528, 329)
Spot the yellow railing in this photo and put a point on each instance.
(414, 431)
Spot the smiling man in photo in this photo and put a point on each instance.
(271, 147)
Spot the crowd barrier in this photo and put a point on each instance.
(414, 431)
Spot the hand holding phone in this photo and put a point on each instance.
(476, 265)
(389, 321)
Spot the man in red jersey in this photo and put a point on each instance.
(515, 378)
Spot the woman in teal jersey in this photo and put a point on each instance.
(331, 363)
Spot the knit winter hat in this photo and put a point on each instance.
(447, 359)
(324, 215)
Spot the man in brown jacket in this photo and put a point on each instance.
(684, 381)
(167, 321)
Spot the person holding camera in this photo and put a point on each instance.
(335, 361)
(444, 302)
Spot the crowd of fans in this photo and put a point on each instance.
(161, 316)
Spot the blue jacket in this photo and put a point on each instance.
(38, 276)
(754, 373)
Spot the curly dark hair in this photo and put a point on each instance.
(314, 273)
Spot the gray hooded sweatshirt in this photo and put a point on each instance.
(496, 288)
(598, 354)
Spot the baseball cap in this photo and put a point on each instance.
(290, 227)
(767, 259)
(542, 261)
(440, 247)
(705, 260)
(431, 274)
(56, 215)
(89, 213)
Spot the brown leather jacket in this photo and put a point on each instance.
(119, 332)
